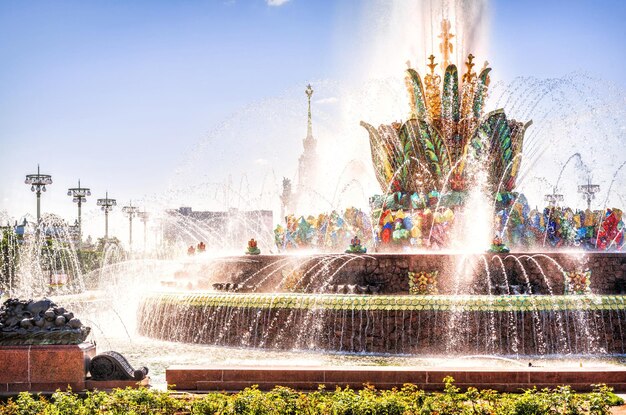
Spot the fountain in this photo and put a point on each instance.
(417, 277)
(436, 170)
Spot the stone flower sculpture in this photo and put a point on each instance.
(423, 283)
(446, 132)
(29, 322)
(578, 282)
(498, 246)
(252, 249)
(356, 247)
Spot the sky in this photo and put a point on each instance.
(121, 94)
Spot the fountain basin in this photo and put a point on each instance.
(394, 324)
(489, 303)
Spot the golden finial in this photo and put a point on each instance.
(469, 74)
(445, 47)
(470, 64)
(432, 64)
(432, 82)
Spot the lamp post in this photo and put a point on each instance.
(131, 211)
(553, 198)
(589, 191)
(107, 205)
(143, 217)
(38, 184)
(79, 195)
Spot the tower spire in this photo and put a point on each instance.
(309, 92)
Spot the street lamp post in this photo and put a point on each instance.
(131, 211)
(107, 206)
(143, 217)
(38, 183)
(589, 191)
(553, 198)
(79, 195)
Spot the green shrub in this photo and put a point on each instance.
(409, 400)
(211, 403)
(531, 403)
(613, 399)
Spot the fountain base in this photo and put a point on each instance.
(394, 324)
(429, 303)
(44, 368)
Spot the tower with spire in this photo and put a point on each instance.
(307, 163)
(307, 167)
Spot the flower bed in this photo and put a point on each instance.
(408, 400)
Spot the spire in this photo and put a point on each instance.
(432, 64)
(446, 47)
(309, 92)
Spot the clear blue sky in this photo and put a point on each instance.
(111, 85)
(554, 37)
(115, 92)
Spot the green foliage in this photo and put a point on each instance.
(213, 403)
(89, 260)
(9, 247)
(409, 400)
(531, 403)
(612, 399)
(54, 255)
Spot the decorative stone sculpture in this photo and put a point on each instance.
(113, 366)
(41, 322)
(355, 246)
(253, 249)
(233, 286)
(577, 282)
(497, 246)
(423, 283)
(446, 127)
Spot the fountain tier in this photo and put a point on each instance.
(536, 273)
(308, 302)
(427, 325)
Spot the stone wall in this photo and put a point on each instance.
(393, 330)
(457, 274)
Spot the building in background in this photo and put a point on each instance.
(219, 230)
(291, 200)
(53, 227)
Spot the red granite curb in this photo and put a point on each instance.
(189, 378)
